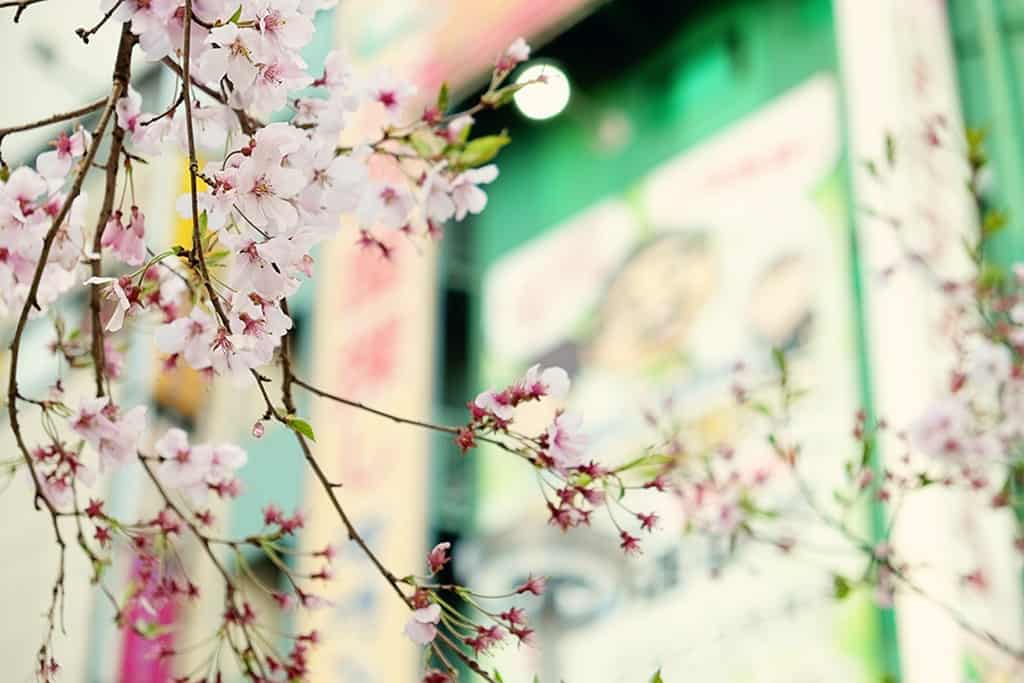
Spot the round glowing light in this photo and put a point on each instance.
(544, 99)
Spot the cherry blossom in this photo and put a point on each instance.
(114, 290)
(466, 194)
(56, 164)
(422, 626)
(565, 442)
(127, 241)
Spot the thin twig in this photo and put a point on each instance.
(249, 124)
(375, 411)
(119, 85)
(86, 34)
(21, 5)
(50, 120)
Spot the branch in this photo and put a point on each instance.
(231, 589)
(375, 411)
(248, 123)
(119, 85)
(21, 5)
(30, 299)
(50, 120)
(123, 67)
(330, 487)
(86, 34)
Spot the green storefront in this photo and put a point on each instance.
(719, 139)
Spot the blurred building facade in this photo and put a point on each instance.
(696, 203)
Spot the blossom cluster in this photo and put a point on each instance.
(453, 613)
(573, 485)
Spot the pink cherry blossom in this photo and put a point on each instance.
(127, 241)
(552, 382)
(422, 626)
(56, 164)
(498, 404)
(466, 194)
(565, 442)
(192, 337)
(129, 111)
(517, 52)
(113, 291)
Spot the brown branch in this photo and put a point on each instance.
(21, 5)
(86, 34)
(30, 299)
(123, 68)
(170, 110)
(375, 411)
(50, 120)
(249, 124)
(330, 487)
(120, 83)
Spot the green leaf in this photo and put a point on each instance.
(426, 144)
(649, 460)
(841, 587)
(871, 167)
(300, 426)
(236, 16)
(994, 222)
(656, 678)
(502, 96)
(890, 149)
(203, 220)
(991, 276)
(442, 102)
(497, 676)
(478, 152)
(779, 358)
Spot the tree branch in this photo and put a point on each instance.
(50, 120)
(123, 67)
(21, 5)
(248, 123)
(375, 411)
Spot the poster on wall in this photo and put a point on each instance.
(650, 299)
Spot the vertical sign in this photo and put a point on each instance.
(374, 332)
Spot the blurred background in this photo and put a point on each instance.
(683, 193)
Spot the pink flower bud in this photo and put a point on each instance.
(535, 584)
(438, 557)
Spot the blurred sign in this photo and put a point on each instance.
(432, 41)
(734, 247)
(374, 335)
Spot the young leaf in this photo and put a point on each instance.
(890, 149)
(236, 16)
(656, 678)
(442, 106)
(994, 222)
(300, 426)
(478, 152)
(841, 587)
